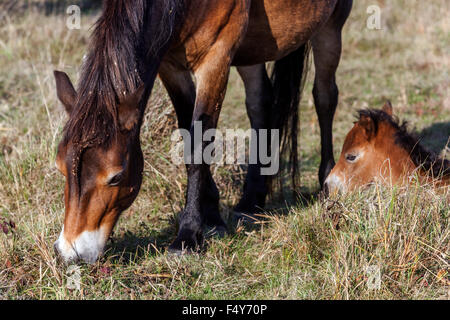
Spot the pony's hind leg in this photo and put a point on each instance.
(327, 46)
(259, 99)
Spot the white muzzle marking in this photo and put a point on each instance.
(87, 247)
(335, 184)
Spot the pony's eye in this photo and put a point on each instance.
(351, 157)
(115, 180)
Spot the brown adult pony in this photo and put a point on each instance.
(133, 41)
(378, 148)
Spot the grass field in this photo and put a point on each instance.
(400, 234)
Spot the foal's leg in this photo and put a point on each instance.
(259, 98)
(327, 46)
(181, 89)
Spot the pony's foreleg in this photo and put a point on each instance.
(211, 67)
(211, 79)
(259, 100)
(179, 84)
(327, 47)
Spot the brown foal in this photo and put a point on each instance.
(183, 40)
(378, 148)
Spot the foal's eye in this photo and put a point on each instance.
(351, 157)
(115, 180)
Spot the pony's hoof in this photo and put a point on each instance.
(244, 218)
(186, 246)
(215, 232)
(177, 251)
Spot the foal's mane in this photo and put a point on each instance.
(115, 66)
(421, 157)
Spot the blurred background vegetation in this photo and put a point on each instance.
(46, 7)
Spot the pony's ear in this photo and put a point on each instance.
(65, 90)
(368, 125)
(388, 108)
(129, 109)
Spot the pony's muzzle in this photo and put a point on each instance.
(333, 185)
(64, 255)
(87, 247)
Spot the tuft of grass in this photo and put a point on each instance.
(317, 249)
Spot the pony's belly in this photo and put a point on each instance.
(278, 27)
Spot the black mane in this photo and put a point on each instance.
(116, 64)
(421, 157)
(124, 46)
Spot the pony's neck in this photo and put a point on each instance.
(131, 38)
(158, 31)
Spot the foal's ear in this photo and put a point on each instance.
(388, 108)
(368, 125)
(65, 90)
(129, 109)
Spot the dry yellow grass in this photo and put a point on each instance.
(403, 233)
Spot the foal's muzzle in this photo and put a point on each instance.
(333, 184)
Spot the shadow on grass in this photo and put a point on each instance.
(136, 246)
(279, 203)
(285, 198)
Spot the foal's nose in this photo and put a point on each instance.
(333, 184)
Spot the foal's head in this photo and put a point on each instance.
(101, 159)
(376, 147)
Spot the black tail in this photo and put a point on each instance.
(288, 81)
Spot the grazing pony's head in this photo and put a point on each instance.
(377, 147)
(101, 159)
(100, 153)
